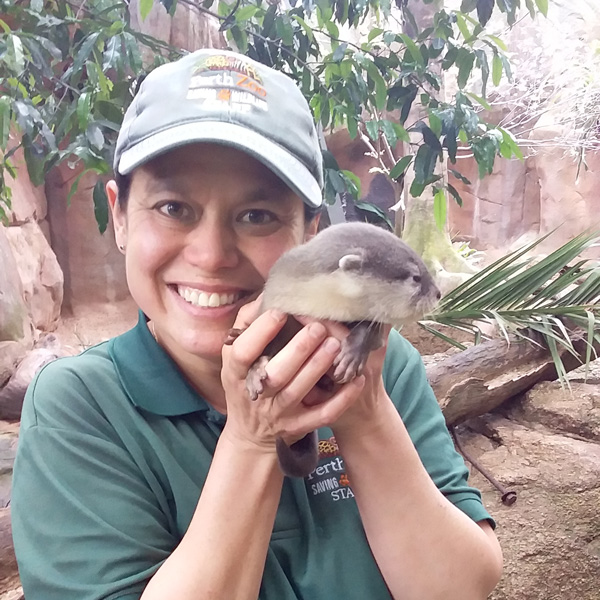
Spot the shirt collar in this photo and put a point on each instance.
(151, 377)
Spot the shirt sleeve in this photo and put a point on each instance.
(407, 385)
(86, 523)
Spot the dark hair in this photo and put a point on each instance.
(124, 186)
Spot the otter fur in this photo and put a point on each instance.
(354, 273)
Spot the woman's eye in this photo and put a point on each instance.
(257, 217)
(176, 210)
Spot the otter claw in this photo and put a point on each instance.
(232, 335)
(256, 375)
(347, 366)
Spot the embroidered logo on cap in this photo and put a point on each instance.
(227, 82)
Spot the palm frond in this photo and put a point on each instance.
(557, 297)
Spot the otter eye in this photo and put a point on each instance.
(417, 278)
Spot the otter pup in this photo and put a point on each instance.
(354, 273)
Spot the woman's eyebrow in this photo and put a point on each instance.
(159, 182)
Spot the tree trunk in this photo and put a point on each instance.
(481, 378)
(420, 230)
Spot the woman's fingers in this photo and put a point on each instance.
(325, 413)
(288, 361)
(255, 337)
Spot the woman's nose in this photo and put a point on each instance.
(211, 247)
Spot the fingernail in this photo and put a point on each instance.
(359, 381)
(316, 330)
(332, 344)
(278, 315)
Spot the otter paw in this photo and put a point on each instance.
(348, 364)
(232, 335)
(255, 377)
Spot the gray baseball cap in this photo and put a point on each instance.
(226, 98)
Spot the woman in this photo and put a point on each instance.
(144, 471)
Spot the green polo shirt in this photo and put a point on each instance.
(114, 450)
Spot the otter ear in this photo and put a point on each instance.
(351, 262)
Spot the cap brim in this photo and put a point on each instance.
(275, 157)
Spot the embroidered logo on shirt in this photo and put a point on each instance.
(329, 477)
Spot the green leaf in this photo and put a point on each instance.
(531, 8)
(480, 101)
(399, 169)
(401, 133)
(84, 51)
(246, 12)
(374, 33)
(339, 52)
(376, 211)
(435, 124)
(389, 132)
(440, 208)
(83, 109)
(5, 119)
(484, 10)
(425, 163)
(416, 189)
(498, 42)
(468, 5)
(373, 129)
(507, 69)
(352, 182)
(459, 176)
(413, 49)
(94, 135)
(464, 60)
(308, 30)
(509, 142)
(455, 194)
(145, 8)
(542, 6)
(100, 205)
(352, 125)
(15, 58)
(496, 69)
(462, 26)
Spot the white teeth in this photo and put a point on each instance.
(204, 299)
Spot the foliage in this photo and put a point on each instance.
(557, 297)
(66, 78)
(69, 69)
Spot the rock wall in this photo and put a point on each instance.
(546, 447)
(93, 267)
(521, 200)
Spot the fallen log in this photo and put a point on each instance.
(482, 377)
(9, 577)
(13, 392)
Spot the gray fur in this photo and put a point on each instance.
(355, 273)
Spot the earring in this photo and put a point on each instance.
(121, 248)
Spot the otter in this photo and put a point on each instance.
(358, 274)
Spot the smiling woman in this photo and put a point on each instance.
(145, 472)
(204, 221)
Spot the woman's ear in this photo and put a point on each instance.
(119, 216)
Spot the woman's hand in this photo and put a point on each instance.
(364, 412)
(290, 405)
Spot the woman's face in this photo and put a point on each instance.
(202, 227)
